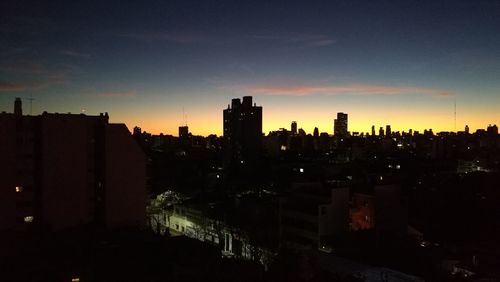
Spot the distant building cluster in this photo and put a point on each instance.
(348, 192)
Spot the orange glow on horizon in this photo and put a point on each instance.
(213, 125)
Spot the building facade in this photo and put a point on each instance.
(62, 171)
(315, 214)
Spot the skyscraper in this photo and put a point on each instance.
(316, 132)
(18, 107)
(388, 131)
(373, 130)
(183, 131)
(294, 128)
(340, 125)
(242, 131)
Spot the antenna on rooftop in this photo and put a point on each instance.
(31, 103)
(455, 114)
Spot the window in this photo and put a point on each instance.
(29, 218)
(19, 189)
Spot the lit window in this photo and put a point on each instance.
(29, 218)
(19, 189)
(75, 279)
(301, 170)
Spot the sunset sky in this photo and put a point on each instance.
(403, 63)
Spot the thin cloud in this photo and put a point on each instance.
(29, 69)
(117, 94)
(24, 67)
(150, 36)
(322, 42)
(24, 86)
(75, 54)
(311, 40)
(352, 89)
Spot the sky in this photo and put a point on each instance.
(154, 64)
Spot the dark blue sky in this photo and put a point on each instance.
(384, 62)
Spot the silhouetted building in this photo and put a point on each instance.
(388, 131)
(183, 131)
(373, 130)
(61, 171)
(340, 125)
(242, 130)
(316, 132)
(294, 128)
(18, 107)
(381, 132)
(390, 212)
(137, 131)
(467, 129)
(492, 129)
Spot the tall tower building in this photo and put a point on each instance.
(340, 125)
(294, 128)
(466, 129)
(242, 131)
(316, 132)
(18, 107)
(183, 131)
(373, 130)
(388, 131)
(381, 132)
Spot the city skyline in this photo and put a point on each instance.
(184, 130)
(403, 64)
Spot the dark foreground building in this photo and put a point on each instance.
(63, 171)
